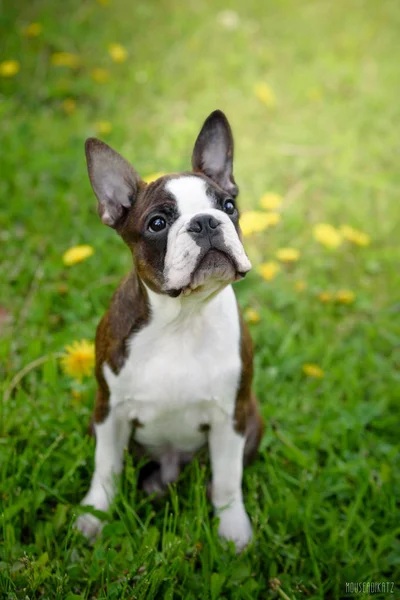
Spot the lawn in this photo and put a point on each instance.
(311, 90)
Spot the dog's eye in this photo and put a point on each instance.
(157, 224)
(229, 206)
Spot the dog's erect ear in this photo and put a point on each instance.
(113, 180)
(213, 152)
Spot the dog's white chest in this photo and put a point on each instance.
(181, 373)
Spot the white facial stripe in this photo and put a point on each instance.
(190, 194)
(181, 257)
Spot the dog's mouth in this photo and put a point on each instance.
(215, 265)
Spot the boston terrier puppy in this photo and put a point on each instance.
(174, 358)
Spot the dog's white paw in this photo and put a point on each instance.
(235, 525)
(90, 526)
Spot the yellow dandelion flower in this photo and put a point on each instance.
(288, 254)
(251, 222)
(252, 316)
(77, 254)
(32, 30)
(153, 177)
(118, 53)
(104, 2)
(312, 370)
(103, 127)
(327, 235)
(99, 75)
(345, 296)
(271, 218)
(271, 201)
(65, 59)
(254, 221)
(69, 105)
(300, 285)
(355, 236)
(78, 361)
(269, 270)
(325, 297)
(265, 95)
(9, 68)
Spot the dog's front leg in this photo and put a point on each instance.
(226, 451)
(112, 435)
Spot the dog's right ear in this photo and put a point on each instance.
(113, 180)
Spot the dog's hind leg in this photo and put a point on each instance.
(162, 473)
(254, 432)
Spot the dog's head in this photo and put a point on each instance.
(182, 229)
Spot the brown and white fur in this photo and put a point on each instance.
(173, 355)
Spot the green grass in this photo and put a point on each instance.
(323, 493)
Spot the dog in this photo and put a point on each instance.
(174, 357)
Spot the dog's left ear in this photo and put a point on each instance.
(213, 152)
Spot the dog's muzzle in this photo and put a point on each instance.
(204, 252)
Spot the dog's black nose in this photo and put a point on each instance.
(202, 224)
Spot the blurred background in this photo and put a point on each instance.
(311, 91)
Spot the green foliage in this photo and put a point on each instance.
(322, 495)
